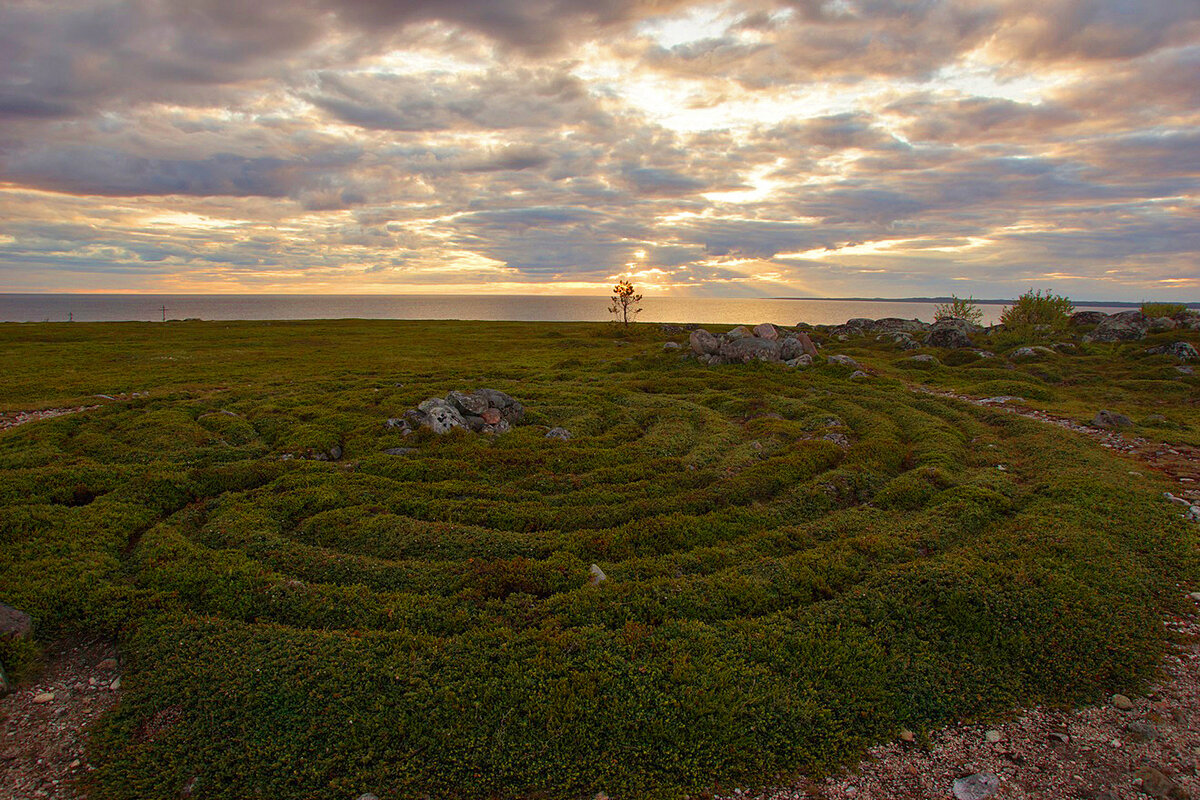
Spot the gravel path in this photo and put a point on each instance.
(44, 726)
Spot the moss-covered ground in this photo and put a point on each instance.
(799, 563)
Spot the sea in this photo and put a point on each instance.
(539, 308)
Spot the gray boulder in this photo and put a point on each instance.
(789, 348)
(468, 403)
(437, 415)
(951, 333)
(1159, 324)
(1184, 351)
(740, 332)
(751, 348)
(562, 434)
(896, 324)
(801, 361)
(766, 331)
(844, 361)
(671, 346)
(901, 339)
(1111, 420)
(1124, 327)
(1081, 318)
(1028, 353)
(704, 343)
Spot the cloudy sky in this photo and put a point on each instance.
(773, 147)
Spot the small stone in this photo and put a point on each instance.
(993, 736)
(1142, 731)
(1195, 596)
(91, 681)
(108, 663)
(859, 375)
(907, 736)
(1154, 783)
(561, 434)
(43, 697)
(75, 764)
(1111, 419)
(1122, 703)
(976, 787)
(844, 361)
(367, 796)
(399, 451)
(490, 416)
(671, 346)
(1058, 736)
(596, 575)
(116, 684)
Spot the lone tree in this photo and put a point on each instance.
(625, 302)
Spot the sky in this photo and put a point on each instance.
(765, 148)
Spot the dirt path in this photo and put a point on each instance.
(11, 419)
(44, 726)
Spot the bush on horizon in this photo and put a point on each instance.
(1155, 310)
(1035, 311)
(959, 308)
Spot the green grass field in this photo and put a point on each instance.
(422, 625)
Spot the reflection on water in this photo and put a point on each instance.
(95, 308)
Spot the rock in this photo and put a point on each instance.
(116, 683)
(672, 346)
(1195, 596)
(862, 323)
(859, 375)
(740, 332)
(1162, 324)
(1156, 784)
(1122, 703)
(951, 333)
(106, 664)
(439, 416)
(1081, 318)
(1111, 419)
(923, 358)
(992, 736)
(844, 361)
(596, 575)
(806, 344)
(1026, 353)
(399, 451)
(393, 422)
(766, 331)
(704, 343)
(899, 338)
(367, 796)
(902, 325)
(491, 416)
(1142, 731)
(14, 623)
(976, 787)
(750, 348)
(335, 452)
(801, 362)
(559, 433)
(907, 736)
(474, 404)
(1123, 327)
(43, 697)
(1181, 350)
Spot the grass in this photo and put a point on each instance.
(423, 625)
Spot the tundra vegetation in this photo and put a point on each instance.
(797, 563)
(958, 308)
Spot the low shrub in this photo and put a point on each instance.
(959, 308)
(1155, 310)
(1035, 308)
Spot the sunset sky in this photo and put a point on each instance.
(847, 147)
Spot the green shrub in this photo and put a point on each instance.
(1035, 309)
(1155, 310)
(958, 308)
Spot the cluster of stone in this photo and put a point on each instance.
(762, 343)
(481, 411)
(1130, 325)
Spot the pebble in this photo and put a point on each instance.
(976, 787)
(43, 697)
(1122, 703)
(1195, 596)
(116, 684)
(993, 736)
(108, 663)
(907, 736)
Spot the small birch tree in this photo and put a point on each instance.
(625, 303)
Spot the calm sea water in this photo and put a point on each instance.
(148, 307)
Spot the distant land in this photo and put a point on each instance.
(977, 301)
